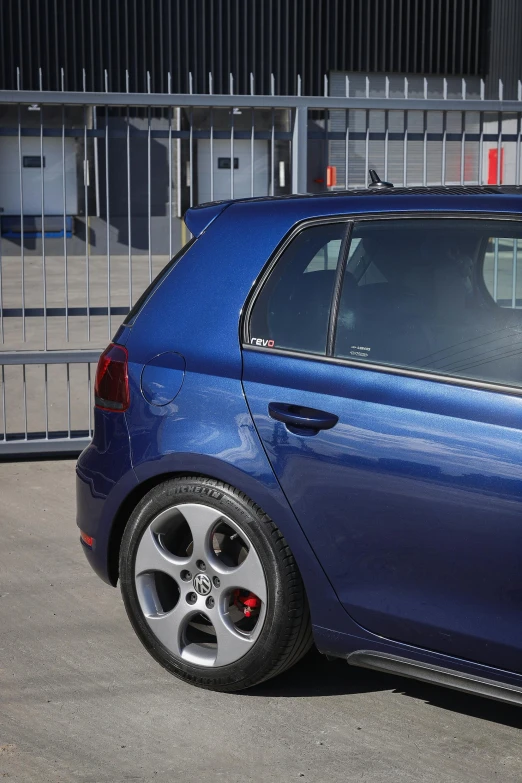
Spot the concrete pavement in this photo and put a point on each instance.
(80, 699)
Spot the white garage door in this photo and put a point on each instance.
(221, 166)
(32, 176)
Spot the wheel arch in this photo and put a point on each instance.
(263, 490)
(272, 501)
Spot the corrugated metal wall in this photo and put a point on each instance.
(505, 48)
(280, 37)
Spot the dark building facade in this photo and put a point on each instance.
(136, 44)
(126, 163)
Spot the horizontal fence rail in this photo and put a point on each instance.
(49, 396)
(93, 187)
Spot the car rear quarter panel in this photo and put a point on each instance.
(207, 428)
(104, 478)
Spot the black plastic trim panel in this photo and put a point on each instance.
(449, 678)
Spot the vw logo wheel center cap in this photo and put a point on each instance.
(202, 584)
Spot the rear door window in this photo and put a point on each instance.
(293, 309)
(435, 295)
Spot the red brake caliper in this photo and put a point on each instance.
(246, 602)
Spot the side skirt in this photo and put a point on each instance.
(459, 681)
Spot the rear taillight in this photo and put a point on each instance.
(111, 388)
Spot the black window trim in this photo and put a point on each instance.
(351, 220)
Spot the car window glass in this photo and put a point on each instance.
(501, 274)
(293, 308)
(326, 257)
(437, 295)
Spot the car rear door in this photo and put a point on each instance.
(392, 420)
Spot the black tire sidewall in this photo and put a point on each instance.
(258, 663)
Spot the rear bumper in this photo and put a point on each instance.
(104, 478)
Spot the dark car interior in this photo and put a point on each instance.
(414, 295)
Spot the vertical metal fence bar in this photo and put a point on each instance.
(425, 148)
(107, 216)
(65, 268)
(517, 162)
(499, 148)
(170, 179)
(129, 198)
(346, 147)
(24, 393)
(495, 271)
(179, 168)
(443, 156)
(87, 222)
(481, 149)
(272, 156)
(232, 152)
(68, 381)
(191, 157)
(405, 140)
(149, 192)
(4, 412)
(300, 148)
(46, 403)
(272, 139)
(252, 133)
(366, 147)
(44, 270)
(89, 400)
(22, 239)
(212, 154)
(514, 274)
(96, 162)
(386, 126)
(386, 142)
(462, 145)
(405, 150)
(347, 135)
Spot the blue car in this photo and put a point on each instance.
(309, 431)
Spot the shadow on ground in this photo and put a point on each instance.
(316, 676)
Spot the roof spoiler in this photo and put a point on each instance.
(197, 219)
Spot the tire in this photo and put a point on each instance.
(238, 617)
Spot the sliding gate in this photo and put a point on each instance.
(93, 187)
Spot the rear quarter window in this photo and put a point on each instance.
(292, 311)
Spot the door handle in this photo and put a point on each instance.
(300, 417)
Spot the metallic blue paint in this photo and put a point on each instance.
(404, 516)
(162, 378)
(104, 479)
(199, 218)
(412, 502)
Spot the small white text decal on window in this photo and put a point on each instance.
(359, 350)
(262, 343)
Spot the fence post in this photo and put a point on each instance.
(299, 150)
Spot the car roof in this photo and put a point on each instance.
(476, 197)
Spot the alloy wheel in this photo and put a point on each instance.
(200, 584)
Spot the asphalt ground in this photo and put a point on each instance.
(82, 702)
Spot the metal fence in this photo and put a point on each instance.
(93, 187)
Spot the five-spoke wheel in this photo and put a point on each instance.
(211, 587)
(194, 570)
